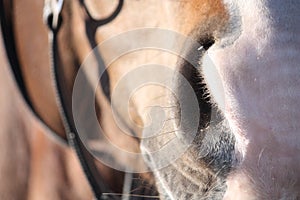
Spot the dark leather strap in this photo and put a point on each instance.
(65, 108)
(91, 26)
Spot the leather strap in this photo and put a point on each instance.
(65, 108)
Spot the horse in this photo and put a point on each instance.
(198, 99)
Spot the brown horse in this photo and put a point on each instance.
(230, 64)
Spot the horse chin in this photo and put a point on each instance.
(200, 172)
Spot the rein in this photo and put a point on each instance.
(53, 19)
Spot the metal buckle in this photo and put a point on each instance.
(52, 10)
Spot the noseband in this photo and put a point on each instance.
(53, 19)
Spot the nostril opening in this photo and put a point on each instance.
(207, 42)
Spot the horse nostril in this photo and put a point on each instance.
(207, 42)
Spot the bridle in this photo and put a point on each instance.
(53, 19)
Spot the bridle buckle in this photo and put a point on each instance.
(51, 14)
